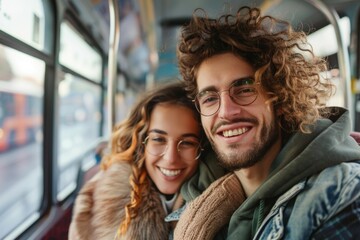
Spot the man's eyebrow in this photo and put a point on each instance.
(243, 81)
(208, 88)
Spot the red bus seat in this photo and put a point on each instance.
(356, 136)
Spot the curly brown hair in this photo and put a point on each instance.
(127, 141)
(285, 66)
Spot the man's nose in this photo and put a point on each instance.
(228, 108)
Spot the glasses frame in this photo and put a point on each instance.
(197, 104)
(199, 148)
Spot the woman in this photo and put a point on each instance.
(153, 152)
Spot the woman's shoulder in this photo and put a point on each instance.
(114, 180)
(123, 168)
(100, 203)
(111, 184)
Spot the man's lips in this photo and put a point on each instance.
(235, 132)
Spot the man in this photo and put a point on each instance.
(263, 109)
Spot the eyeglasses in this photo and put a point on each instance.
(241, 92)
(188, 148)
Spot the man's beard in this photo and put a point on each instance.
(237, 159)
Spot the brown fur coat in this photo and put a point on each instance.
(99, 209)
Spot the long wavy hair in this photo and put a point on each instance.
(128, 136)
(284, 63)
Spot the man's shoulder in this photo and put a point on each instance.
(340, 173)
(332, 190)
(336, 180)
(311, 203)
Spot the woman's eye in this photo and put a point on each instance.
(188, 144)
(158, 140)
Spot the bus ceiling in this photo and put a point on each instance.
(162, 19)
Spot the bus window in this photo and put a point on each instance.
(79, 124)
(80, 101)
(26, 22)
(77, 55)
(329, 49)
(21, 138)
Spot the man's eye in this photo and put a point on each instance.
(244, 91)
(209, 98)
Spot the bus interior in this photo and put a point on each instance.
(71, 69)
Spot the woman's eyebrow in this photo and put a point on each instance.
(157, 131)
(185, 135)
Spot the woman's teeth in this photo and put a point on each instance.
(169, 173)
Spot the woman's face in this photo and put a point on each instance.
(171, 146)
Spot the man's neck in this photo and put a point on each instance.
(251, 178)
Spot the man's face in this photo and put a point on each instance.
(241, 135)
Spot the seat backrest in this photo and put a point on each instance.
(356, 136)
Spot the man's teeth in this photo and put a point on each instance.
(234, 132)
(170, 173)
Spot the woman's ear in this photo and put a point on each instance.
(278, 111)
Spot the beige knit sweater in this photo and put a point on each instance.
(208, 213)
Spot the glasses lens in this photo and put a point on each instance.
(207, 102)
(243, 95)
(243, 92)
(155, 145)
(189, 149)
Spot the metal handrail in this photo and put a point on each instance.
(343, 54)
(112, 60)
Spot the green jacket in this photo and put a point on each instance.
(301, 157)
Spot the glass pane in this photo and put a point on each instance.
(329, 49)
(21, 137)
(26, 21)
(326, 48)
(79, 124)
(77, 55)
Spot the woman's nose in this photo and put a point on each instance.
(171, 153)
